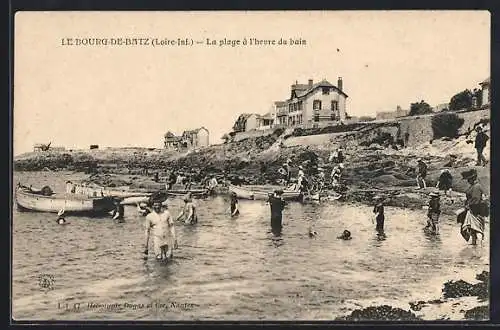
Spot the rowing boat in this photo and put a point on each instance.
(254, 193)
(31, 200)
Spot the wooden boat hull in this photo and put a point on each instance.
(245, 193)
(27, 201)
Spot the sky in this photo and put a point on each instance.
(130, 96)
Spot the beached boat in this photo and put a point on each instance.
(258, 193)
(32, 200)
(183, 192)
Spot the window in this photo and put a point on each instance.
(295, 107)
(316, 118)
(335, 105)
(326, 90)
(290, 107)
(300, 105)
(316, 105)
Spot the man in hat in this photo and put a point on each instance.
(480, 144)
(159, 224)
(421, 173)
(277, 205)
(433, 213)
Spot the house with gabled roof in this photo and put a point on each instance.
(190, 139)
(246, 122)
(312, 105)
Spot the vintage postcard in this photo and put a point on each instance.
(281, 165)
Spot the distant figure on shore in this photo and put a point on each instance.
(445, 181)
(156, 177)
(188, 211)
(346, 235)
(379, 215)
(159, 224)
(433, 213)
(212, 184)
(277, 205)
(421, 174)
(234, 205)
(69, 187)
(336, 175)
(476, 208)
(480, 144)
(301, 178)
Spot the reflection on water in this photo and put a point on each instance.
(234, 268)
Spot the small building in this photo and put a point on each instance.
(399, 112)
(171, 141)
(486, 92)
(246, 122)
(196, 138)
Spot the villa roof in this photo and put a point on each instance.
(322, 83)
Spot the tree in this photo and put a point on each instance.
(420, 108)
(446, 125)
(462, 100)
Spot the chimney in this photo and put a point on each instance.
(339, 83)
(310, 83)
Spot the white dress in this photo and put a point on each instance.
(160, 224)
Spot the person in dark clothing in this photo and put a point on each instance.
(379, 215)
(234, 205)
(433, 213)
(277, 205)
(476, 206)
(445, 181)
(480, 144)
(421, 174)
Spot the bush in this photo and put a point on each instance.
(446, 125)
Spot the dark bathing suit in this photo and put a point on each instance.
(379, 208)
(277, 206)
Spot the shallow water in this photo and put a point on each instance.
(232, 269)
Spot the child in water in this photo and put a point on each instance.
(433, 213)
(379, 215)
(60, 218)
(234, 205)
(346, 235)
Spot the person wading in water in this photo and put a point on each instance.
(234, 205)
(277, 205)
(189, 211)
(159, 224)
(476, 209)
(379, 215)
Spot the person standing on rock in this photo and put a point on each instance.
(421, 174)
(480, 144)
(277, 205)
(378, 209)
(445, 181)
